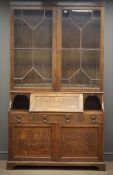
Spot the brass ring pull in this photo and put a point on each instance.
(44, 118)
(67, 117)
(93, 119)
(19, 118)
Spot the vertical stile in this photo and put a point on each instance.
(57, 49)
(12, 50)
(102, 49)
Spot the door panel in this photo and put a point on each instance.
(32, 142)
(80, 143)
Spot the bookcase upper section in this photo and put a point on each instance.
(57, 48)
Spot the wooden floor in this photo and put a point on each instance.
(41, 171)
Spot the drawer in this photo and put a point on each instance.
(56, 117)
(93, 118)
(18, 117)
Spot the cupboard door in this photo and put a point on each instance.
(33, 31)
(31, 142)
(81, 48)
(81, 143)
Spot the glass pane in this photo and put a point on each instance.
(96, 14)
(80, 79)
(33, 17)
(81, 17)
(23, 34)
(33, 78)
(80, 48)
(95, 83)
(17, 13)
(48, 14)
(18, 82)
(91, 63)
(43, 35)
(33, 30)
(70, 63)
(66, 14)
(43, 63)
(70, 34)
(91, 35)
(22, 62)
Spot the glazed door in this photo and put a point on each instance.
(55, 48)
(32, 47)
(81, 48)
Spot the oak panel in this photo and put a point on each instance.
(80, 143)
(31, 142)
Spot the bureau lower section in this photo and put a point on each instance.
(55, 137)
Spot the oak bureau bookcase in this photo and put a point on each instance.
(56, 113)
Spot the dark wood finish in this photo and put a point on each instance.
(59, 137)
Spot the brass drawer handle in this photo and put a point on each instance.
(19, 118)
(93, 119)
(67, 117)
(44, 118)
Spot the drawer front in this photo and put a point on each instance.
(93, 118)
(56, 117)
(18, 117)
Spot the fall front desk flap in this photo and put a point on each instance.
(55, 102)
